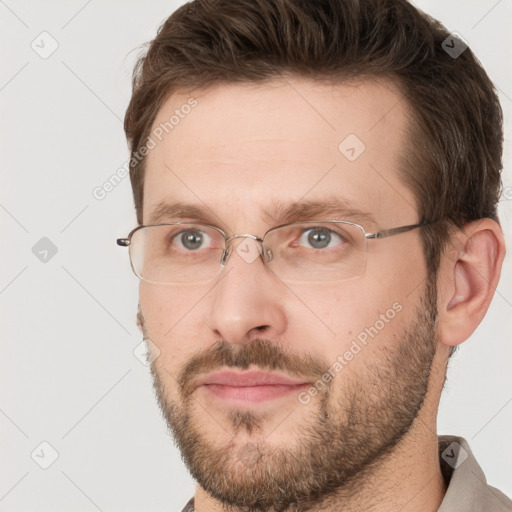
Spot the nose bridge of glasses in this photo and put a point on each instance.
(229, 240)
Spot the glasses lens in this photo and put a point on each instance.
(317, 251)
(176, 253)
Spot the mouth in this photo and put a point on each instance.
(249, 387)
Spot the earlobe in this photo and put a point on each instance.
(468, 280)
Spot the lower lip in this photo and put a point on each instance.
(247, 395)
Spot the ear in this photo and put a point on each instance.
(469, 272)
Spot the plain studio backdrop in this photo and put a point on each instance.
(80, 426)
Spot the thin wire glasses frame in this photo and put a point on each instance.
(265, 252)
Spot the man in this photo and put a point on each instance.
(316, 187)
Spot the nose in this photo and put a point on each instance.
(248, 300)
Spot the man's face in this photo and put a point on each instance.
(240, 151)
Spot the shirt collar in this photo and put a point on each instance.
(467, 489)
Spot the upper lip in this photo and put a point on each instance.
(248, 378)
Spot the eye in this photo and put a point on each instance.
(192, 240)
(321, 238)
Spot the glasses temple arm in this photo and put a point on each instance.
(395, 231)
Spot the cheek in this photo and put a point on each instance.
(171, 322)
(344, 307)
(396, 266)
(353, 319)
(165, 307)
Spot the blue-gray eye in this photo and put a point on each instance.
(320, 238)
(191, 240)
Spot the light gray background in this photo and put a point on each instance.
(68, 373)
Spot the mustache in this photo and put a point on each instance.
(263, 353)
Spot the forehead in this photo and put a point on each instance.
(236, 149)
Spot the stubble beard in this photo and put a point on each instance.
(340, 441)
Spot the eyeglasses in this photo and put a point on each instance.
(314, 251)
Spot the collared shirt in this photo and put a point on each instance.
(467, 489)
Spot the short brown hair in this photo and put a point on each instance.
(454, 159)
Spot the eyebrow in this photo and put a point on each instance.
(168, 212)
(330, 208)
